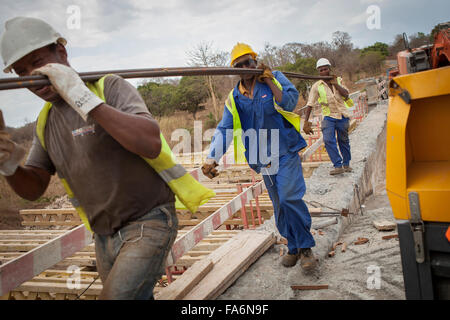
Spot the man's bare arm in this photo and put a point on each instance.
(29, 182)
(135, 132)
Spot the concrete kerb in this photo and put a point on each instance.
(368, 144)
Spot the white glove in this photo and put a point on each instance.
(11, 154)
(70, 87)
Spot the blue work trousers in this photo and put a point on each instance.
(130, 261)
(286, 190)
(330, 128)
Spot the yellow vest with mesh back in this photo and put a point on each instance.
(323, 101)
(239, 148)
(189, 193)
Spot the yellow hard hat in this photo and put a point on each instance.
(241, 49)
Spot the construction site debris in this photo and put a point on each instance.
(313, 287)
(331, 253)
(336, 244)
(361, 241)
(344, 247)
(324, 223)
(391, 236)
(384, 225)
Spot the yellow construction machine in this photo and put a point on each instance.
(418, 178)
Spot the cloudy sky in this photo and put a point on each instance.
(124, 34)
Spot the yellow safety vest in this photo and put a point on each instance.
(239, 148)
(190, 194)
(323, 101)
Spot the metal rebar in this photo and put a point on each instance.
(39, 80)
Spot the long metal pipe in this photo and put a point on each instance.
(39, 80)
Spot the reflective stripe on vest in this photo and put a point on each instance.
(323, 101)
(239, 148)
(190, 194)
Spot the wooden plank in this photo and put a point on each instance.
(71, 211)
(232, 279)
(187, 261)
(228, 260)
(190, 278)
(57, 288)
(312, 287)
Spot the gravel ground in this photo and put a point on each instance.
(351, 274)
(347, 273)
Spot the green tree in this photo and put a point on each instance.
(301, 65)
(159, 97)
(191, 95)
(378, 47)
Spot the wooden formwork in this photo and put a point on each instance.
(57, 282)
(52, 284)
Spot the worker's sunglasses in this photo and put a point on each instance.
(245, 63)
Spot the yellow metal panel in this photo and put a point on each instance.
(431, 180)
(399, 206)
(418, 144)
(396, 145)
(429, 128)
(426, 84)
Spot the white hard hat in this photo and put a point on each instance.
(23, 35)
(322, 62)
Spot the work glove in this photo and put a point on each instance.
(70, 87)
(209, 168)
(11, 154)
(267, 73)
(307, 127)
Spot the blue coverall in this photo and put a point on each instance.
(286, 187)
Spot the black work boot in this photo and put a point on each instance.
(307, 259)
(289, 260)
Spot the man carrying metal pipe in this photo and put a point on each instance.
(108, 151)
(262, 105)
(334, 99)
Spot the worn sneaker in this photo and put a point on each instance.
(307, 259)
(289, 260)
(348, 169)
(336, 171)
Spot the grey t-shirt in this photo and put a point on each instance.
(112, 184)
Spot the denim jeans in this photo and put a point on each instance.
(130, 261)
(331, 127)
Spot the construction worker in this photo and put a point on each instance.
(263, 104)
(333, 97)
(108, 151)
